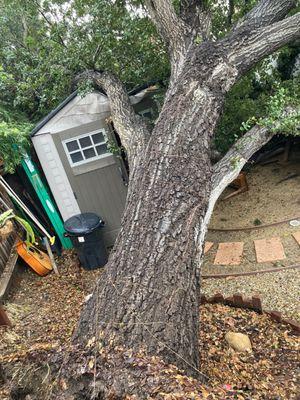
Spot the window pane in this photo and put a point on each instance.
(72, 146)
(85, 142)
(76, 157)
(102, 149)
(89, 153)
(98, 138)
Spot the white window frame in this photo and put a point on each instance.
(93, 146)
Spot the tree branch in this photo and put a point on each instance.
(131, 128)
(228, 168)
(196, 15)
(230, 12)
(249, 47)
(51, 25)
(267, 12)
(172, 29)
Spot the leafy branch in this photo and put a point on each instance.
(283, 112)
(13, 142)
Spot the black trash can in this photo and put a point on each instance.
(85, 232)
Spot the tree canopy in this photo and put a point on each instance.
(45, 44)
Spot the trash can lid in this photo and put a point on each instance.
(81, 224)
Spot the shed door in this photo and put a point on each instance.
(98, 179)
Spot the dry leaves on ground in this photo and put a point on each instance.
(45, 310)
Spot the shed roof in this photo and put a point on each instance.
(139, 93)
(46, 119)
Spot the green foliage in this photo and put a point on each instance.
(257, 222)
(45, 44)
(9, 214)
(13, 142)
(30, 237)
(260, 97)
(242, 102)
(283, 111)
(5, 216)
(114, 148)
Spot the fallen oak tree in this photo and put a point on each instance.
(147, 300)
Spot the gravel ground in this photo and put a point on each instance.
(279, 291)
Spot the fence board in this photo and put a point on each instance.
(6, 244)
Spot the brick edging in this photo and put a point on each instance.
(252, 303)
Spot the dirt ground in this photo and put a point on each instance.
(266, 201)
(44, 312)
(45, 309)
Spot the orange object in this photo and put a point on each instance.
(240, 183)
(35, 258)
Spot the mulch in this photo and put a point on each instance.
(270, 372)
(44, 312)
(46, 309)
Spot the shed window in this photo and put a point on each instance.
(87, 147)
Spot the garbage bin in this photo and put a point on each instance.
(85, 232)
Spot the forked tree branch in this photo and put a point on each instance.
(172, 29)
(248, 48)
(267, 12)
(131, 128)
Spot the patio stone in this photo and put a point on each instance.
(229, 253)
(268, 250)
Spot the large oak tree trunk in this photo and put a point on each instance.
(149, 294)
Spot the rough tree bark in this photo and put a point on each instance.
(148, 295)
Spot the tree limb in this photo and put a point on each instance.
(196, 15)
(230, 12)
(228, 168)
(51, 25)
(131, 128)
(250, 47)
(267, 12)
(172, 29)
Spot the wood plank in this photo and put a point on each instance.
(8, 271)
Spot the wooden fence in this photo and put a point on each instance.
(7, 244)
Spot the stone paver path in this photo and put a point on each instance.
(269, 250)
(266, 250)
(229, 253)
(297, 237)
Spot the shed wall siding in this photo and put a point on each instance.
(98, 186)
(56, 176)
